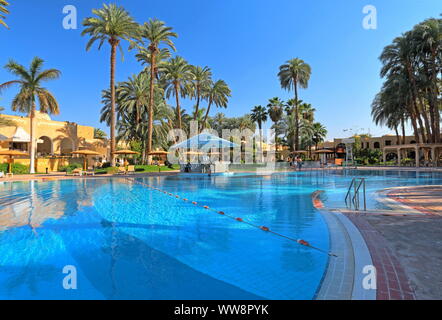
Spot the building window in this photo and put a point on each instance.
(20, 146)
(377, 145)
(388, 142)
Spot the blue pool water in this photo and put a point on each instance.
(129, 242)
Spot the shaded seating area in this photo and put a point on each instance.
(425, 154)
(202, 153)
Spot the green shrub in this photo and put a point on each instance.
(112, 170)
(70, 167)
(17, 168)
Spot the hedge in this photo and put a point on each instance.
(17, 168)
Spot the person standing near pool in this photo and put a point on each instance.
(299, 163)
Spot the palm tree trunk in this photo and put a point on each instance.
(398, 141)
(403, 130)
(260, 141)
(426, 120)
(419, 120)
(178, 109)
(296, 117)
(415, 106)
(435, 95)
(114, 44)
(197, 102)
(151, 102)
(32, 142)
(207, 115)
(276, 140)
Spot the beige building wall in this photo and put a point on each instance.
(371, 142)
(56, 141)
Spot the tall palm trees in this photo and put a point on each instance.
(319, 133)
(275, 111)
(259, 115)
(156, 33)
(293, 74)
(218, 93)
(112, 24)
(177, 76)
(3, 11)
(412, 68)
(134, 95)
(30, 82)
(202, 78)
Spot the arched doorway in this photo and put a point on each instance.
(44, 146)
(66, 147)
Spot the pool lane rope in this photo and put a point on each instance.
(263, 228)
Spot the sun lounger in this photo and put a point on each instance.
(131, 169)
(75, 172)
(121, 170)
(90, 172)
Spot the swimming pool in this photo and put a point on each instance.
(127, 241)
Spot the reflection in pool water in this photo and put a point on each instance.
(128, 242)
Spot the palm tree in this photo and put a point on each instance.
(259, 115)
(156, 33)
(319, 134)
(198, 116)
(307, 112)
(99, 134)
(202, 78)
(134, 95)
(218, 94)
(427, 40)
(31, 89)
(292, 74)
(112, 24)
(177, 77)
(6, 122)
(411, 91)
(3, 11)
(275, 111)
(217, 122)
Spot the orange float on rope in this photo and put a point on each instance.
(264, 228)
(221, 212)
(206, 207)
(184, 199)
(303, 242)
(239, 219)
(177, 197)
(194, 202)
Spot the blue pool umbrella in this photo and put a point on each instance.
(204, 141)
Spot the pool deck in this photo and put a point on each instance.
(405, 243)
(64, 176)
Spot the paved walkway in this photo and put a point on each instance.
(417, 243)
(426, 199)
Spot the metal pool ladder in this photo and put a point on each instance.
(353, 194)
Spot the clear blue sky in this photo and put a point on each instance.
(244, 42)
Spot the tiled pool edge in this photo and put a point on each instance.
(392, 282)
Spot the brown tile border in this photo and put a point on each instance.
(392, 282)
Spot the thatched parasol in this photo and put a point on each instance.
(12, 153)
(85, 153)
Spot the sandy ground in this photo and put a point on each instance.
(417, 243)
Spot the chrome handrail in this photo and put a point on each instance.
(356, 184)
